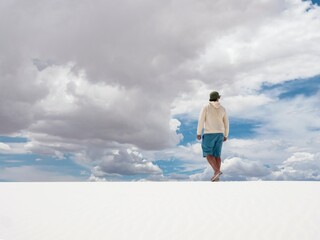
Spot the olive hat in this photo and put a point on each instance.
(214, 96)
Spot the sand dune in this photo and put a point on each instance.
(160, 210)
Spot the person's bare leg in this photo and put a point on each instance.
(218, 159)
(217, 163)
(212, 163)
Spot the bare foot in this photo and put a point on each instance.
(216, 176)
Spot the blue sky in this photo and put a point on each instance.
(290, 89)
(103, 97)
(44, 163)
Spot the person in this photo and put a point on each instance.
(213, 118)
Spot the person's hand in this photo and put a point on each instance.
(199, 137)
(225, 139)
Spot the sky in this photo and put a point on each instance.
(112, 91)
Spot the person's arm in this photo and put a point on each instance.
(226, 126)
(202, 118)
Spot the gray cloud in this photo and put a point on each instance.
(118, 163)
(124, 162)
(145, 47)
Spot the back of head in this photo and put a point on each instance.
(214, 96)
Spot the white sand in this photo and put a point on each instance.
(160, 210)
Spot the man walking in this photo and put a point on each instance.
(213, 118)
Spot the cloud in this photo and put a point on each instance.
(34, 174)
(239, 62)
(13, 148)
(235, 168)
(89, 79)
(299, 157)
(118, 163)
(293, 118)
(242, 168)
(241, 106)
(203, 176)
(113, 165)
(263, 149)
(300, 166)
(264, 52)
(4, 147)
(19, 93)
(101, 111)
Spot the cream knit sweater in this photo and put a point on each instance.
(213, 118)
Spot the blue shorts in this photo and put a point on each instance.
(212, 144)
